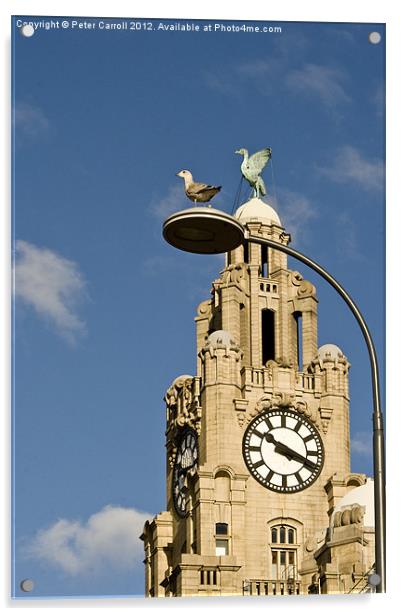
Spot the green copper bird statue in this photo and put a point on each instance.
(252, 167)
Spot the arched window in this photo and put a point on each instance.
(222, 531)
(298, 339)
(221, 528)
(244, 330)
(245, 252)
(264, 261)
(221, 539)
(267, 335)
(283, 553)
(222, 486)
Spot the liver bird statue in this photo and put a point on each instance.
(252, 167)
(196, 191)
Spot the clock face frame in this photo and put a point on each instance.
(283, 451)
(186, 462)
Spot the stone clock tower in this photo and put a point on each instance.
(260, 495)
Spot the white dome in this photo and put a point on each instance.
(331, 351)
(363, 496)
(221, 338)
(257, 210)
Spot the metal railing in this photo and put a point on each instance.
(272, 587)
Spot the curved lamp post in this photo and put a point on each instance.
(205, 230)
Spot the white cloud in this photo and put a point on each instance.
(350, 165)
(50, 284)
(280, 70)
(222, 82)
(361, 443)
(30, 120)
(174, 201)
(295, 211)
(108, 540)
(257, 68)
(322, 81)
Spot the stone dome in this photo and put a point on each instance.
(179, 380)
(221, 339)
(362, 496)
(258, 211)
(329, 351)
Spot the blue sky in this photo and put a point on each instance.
(104, 308)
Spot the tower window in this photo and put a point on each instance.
(264, 261)
(268, 335)
(283, 565)
(284, 553)
(283, 534)
(243, 329)
(298, 332)
(222, 486)
(221, 528)
(245, 252)
(194, 544)
(208, 577)
(221, 547)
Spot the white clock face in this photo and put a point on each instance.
(283, 451)
(186, 462)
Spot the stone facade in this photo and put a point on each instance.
(257, 350)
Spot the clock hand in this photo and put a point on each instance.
(299, 458)
(288, 452)
(280, 447)
(271, 439)
(185, 469)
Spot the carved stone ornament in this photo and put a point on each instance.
(172, 451)
(241, 419)
(310, 544)
(303, 408)
(223, 340)
(270, 368)
(240, 406)
(354, 514)
(182, 404)
(279, 400)
(306, 288)
(283, 362)
(313, 542)
(204, 309)
(233, 274)
(325, 415)
(268, 402)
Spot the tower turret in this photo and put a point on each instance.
(258, 444)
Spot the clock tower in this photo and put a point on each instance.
(259, 487)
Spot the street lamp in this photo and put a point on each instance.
(205, 230)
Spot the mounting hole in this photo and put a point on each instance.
(374, 38)
(27, 585)
(27, 30)
(374, 579)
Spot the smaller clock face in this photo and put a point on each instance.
(186, 462)
(283, 450)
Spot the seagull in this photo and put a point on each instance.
(252, 167)
(196, 191)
